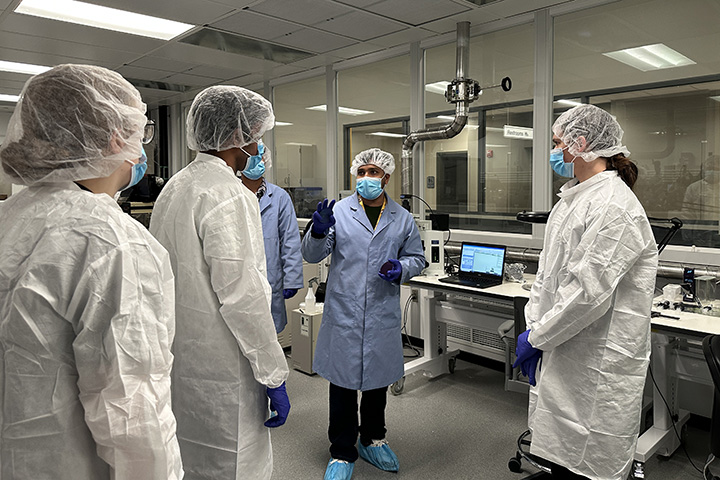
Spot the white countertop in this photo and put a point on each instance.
(507, 289)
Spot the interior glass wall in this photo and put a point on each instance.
(664, 89)
(300, 155)
(483, 176)
(381, 93)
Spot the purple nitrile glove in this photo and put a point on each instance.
(391, 271)
(527, 357)
(323, 218)
(279, 403)
(289, 293)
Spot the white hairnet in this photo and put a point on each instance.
(373, 156)
(73, 122)
(224, 117)
(601, 131)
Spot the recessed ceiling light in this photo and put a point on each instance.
(9, 98)
(107, 18)
(26, 68)
(344, 110)
(650, 57)
(716, 98)
(437, 87)
(572, 103)
(296, 144)
(282, 124)
(388, 134)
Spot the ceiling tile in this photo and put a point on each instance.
(207, 56)
(360, 25)
(51, 52)
(194, 12)
(80, 34)
(162, 63)
(417, 12)
(406, 36)
(358, 3)
(139, 73)
(477, 16)
(318, 61)
(356, 50)
(216, 71)
(251, 24)
(307, 12)
(191, 80)
(313, 41)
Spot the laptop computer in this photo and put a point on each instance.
(481, 266)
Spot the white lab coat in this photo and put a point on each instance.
(226, 348)
(589, 312)
(86, 324)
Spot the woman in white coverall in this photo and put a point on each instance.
(86, 293)
(589, 310)
(227, 357)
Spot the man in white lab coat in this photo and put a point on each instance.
(228, 360)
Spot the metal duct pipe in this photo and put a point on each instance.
(461, 92)
(462, 60)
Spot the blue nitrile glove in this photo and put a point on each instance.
(279, 403)
(527, 357)
(323, 218)
(391, 271)
(289, 293)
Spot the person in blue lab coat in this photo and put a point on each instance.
(281, 235)
(375, 246)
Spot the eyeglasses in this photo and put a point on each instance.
(149, 132)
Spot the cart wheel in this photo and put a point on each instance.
(514, 465)
(397, 387)
(451, 364)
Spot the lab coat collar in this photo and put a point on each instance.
(387, 217)
(266, 200)
(573, 187)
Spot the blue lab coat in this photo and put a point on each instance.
(282, 248)
(359, 345)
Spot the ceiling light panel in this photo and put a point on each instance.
(417, 12)
(106, 18)
(25, 68)
(4, 97)
(307, 12)
(650, 57)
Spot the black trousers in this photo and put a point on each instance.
(344, 426)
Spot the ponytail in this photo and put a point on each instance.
(627, 170)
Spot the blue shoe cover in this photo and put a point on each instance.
(379, 454)
(338, 470)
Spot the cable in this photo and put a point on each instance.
(672, 419)
(410, 195)
(403, 329)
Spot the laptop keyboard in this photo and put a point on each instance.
(469, 283)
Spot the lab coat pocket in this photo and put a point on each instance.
(343, 309)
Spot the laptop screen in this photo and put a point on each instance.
(485, 260)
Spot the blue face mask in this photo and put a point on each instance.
(255, 167)
(558, 164)
(369, 187)
(138, 170)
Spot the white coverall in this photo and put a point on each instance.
(226, 349)
(86, 324)
(589, 312)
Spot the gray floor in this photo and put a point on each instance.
(459, 426)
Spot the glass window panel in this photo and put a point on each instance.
(300, 145)
(382, 90)
(582, 39)
(483, 176)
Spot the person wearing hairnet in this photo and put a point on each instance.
(280, 233)
(228, 361)
(86, 293)
(375, 247)
(587, 347)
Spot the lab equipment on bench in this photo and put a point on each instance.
(481, 266)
